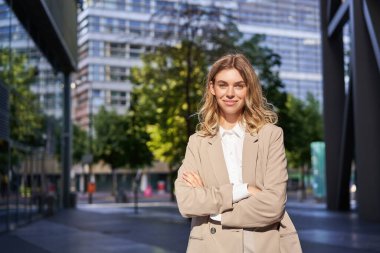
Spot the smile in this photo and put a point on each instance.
(230, 102)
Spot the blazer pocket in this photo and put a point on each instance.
(197, 225)
(290, 243)
(289, 240)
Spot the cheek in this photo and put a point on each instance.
(219, 93)
(242, 94)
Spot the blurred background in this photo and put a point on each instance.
(99, 97)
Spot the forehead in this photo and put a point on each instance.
(229, 75)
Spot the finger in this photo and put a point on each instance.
(197, 178)
(188, 184)
(189, 181)
(194, 180)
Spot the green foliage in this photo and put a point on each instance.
(167, 96)
(120, 140)
(80, 143)
(79, 140)
(27, 119)
(303, 125)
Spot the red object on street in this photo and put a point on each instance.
(161, 186)
(91, 187)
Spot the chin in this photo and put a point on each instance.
(232, 111)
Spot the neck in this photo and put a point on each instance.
(229, 122)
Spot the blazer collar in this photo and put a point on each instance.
(250, 150)
(215, 152)
(249, 163)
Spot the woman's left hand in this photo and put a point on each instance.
(192, 179)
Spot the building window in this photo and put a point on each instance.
(96, 72)
(164, 6)
(108, 25)
(83, 50)
(138, 28)
(135, 51)
(121, 26)
(116, 98)
(114, 73)
(4, 11)
(117, 50)
(140, 6)
(94, 24)
(96, 93)
(83, 74)
(49, 100)
(163, 30)
(96, 48)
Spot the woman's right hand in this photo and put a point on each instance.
(192, 179)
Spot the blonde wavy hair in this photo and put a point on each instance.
(256, 111)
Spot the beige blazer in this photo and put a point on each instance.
(255, 224)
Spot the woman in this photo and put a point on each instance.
(232, 182)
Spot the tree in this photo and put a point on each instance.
(26, 117)
(118, 141)
(305, 125)
(121, 140)
(166, 99)
(80, 143)
(27, 120)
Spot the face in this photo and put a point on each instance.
(230, 91)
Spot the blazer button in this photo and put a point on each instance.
(213, 230)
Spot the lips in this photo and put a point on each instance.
(229, 102)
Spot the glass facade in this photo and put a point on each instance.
(29, 171)
(47, 84)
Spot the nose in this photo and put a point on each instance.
(230, 92)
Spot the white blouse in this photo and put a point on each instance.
(232, 144)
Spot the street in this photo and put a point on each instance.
(158, 227)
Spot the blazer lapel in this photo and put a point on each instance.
(215, 152)
(250, 150)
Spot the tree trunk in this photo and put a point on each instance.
(114, 183)
(188, 86)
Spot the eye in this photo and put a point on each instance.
(222, 85)
(239, 86)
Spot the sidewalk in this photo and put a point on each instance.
(158, 227)
(106, 197)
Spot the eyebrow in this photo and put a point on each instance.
(239, 82)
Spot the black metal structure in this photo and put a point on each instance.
(352, 116)
(4, 112)
(52, 24)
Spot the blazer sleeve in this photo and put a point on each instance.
(268, 206)
(200, 201)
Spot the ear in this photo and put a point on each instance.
(211, 87)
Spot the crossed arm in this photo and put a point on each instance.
(264, 207)
(192, 179)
